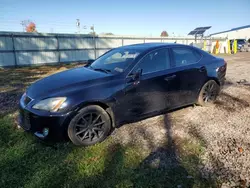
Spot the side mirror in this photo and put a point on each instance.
(90, 61)
(136, 75)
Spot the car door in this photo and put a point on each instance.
(152, 87)
(190, 73)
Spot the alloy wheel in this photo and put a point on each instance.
(90, 127)
(210, 92)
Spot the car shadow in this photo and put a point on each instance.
(162, 167)
(150, 115)
(165, 162)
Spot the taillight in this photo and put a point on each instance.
(225, 65)
(225, 62)
(223, 68)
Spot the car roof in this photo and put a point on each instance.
(150, 46)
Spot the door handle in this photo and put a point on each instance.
(136, 82)
(168, 78)
(202, 69)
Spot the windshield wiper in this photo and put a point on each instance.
(102, 70)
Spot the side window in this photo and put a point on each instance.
(185, 56)
(157, 60)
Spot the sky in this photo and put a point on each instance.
(127, 17)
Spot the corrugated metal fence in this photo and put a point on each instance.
(20, 49)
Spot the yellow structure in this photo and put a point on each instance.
(217, 47)
(204, 45)
(235, 46)
(229, 48)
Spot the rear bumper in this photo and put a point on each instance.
(222, 81)
(221, 74)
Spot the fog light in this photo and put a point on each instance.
(45, 132)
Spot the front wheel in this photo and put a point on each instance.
(91, 125)
(208, 93)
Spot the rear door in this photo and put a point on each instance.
(190, 73)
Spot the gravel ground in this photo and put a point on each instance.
(223, 128)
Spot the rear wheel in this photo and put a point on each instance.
(208, 93)
(91, 125)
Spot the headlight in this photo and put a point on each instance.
(51, 104)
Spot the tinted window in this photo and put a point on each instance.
(241, 41)
(154, 61)
(185, 56)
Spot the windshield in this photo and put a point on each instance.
(116, 60)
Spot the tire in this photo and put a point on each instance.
(91, 125)
(208, 93)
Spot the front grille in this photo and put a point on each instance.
(25, 120)
(26, 100)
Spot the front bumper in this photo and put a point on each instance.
(56, 126)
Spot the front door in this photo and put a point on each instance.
(154, 89)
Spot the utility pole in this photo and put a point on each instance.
(93, 33)
(78, 25)
(93, 29)
(24, 23)
(84, 27)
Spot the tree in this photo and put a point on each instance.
(31, 27)
(164, 34)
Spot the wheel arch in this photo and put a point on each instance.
(213, 78)
(208, 79)
(199, 102)
(103, 105)
(98, 103)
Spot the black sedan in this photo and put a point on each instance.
(123, 85)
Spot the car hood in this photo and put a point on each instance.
(64, 80)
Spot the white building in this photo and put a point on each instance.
(235, 33)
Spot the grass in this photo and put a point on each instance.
(27, 162)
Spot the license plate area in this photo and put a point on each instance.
(24, 119)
